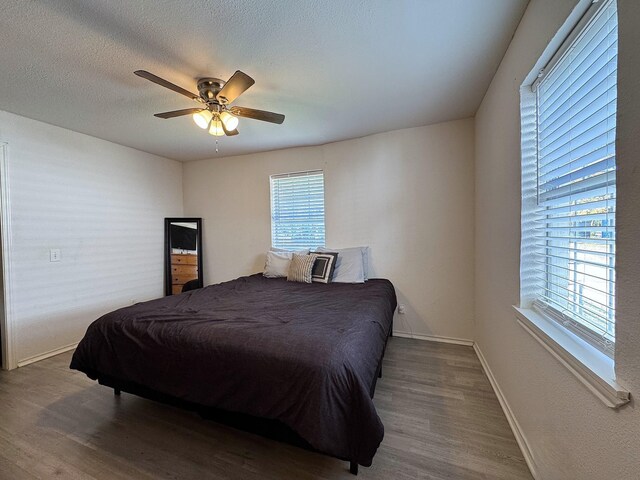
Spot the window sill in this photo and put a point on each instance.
(592, 367)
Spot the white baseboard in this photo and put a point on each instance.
(434, 338)
(513, 422)
(50, 353)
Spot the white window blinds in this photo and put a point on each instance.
(297, 210)
(576, 182)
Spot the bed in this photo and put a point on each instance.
(303, 355)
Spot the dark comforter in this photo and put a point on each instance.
(303, 354)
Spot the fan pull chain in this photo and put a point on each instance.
(216, 145)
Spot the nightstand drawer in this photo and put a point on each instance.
(184, 270)
(181, 279)
(176, 289)
(183, 259)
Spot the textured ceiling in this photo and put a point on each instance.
(337, 69)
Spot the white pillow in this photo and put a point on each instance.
(350, 264)
(277, 264)
(365, 262)
(365, 256)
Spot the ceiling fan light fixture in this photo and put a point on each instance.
(215, 96)
(230, 121)
(216, 127)
(202, 118)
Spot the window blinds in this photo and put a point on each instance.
(297, 210)
(576, 182)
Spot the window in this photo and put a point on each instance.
(297, 210)
(568, 222)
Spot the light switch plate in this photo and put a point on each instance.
(54, 255)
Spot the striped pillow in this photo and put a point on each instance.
(301, 268)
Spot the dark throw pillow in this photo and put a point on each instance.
(323, 267)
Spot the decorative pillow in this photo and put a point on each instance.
(349, 265)
(323, 267)
(301, 267)
(277, 264)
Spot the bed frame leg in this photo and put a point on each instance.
(353, 468)
(116, 392)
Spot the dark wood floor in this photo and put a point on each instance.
(442, 421)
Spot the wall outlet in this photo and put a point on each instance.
(402, 309)
(54, 255)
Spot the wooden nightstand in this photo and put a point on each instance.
(184, 267)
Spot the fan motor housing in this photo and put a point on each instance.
(209, 88)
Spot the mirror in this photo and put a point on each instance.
(183, 254)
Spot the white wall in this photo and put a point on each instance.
(103, 205)
(408, 194)
(572, 435)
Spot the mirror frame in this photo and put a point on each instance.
(167, 250)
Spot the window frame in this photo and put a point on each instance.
(273, 179)
(533, 215)
(589, 365)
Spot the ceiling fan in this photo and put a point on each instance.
(215, 95)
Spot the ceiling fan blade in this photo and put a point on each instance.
(178, 113)
(258, 114)
(235, 86)
(166, 84)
